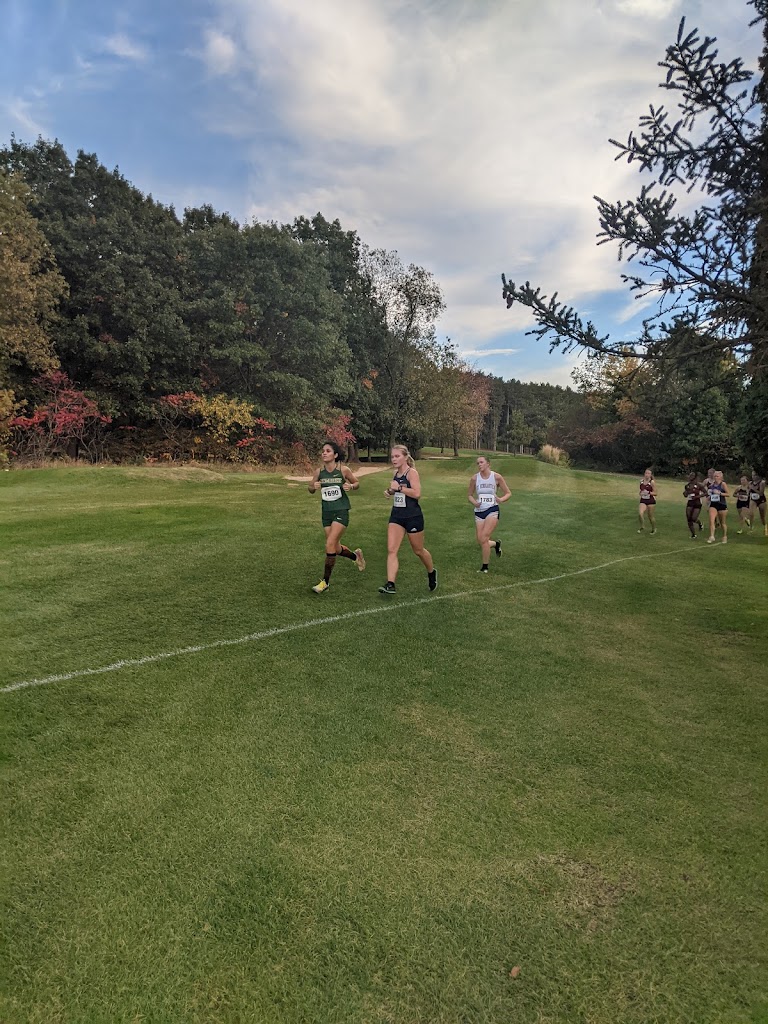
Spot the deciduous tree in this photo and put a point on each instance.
(30, 290)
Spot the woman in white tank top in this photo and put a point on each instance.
(483, 495)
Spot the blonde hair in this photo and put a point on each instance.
(405, 452)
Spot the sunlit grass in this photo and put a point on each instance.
(376, 819)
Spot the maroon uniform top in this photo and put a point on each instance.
(646, 490)
(694, 493)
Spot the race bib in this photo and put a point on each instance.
(398, 500)
(754, 495)
(331, 493)
(487, 499)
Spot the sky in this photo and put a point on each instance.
(468, 135)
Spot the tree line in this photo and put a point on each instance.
(126, 329)
(128, 332)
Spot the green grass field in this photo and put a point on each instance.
(376, 817)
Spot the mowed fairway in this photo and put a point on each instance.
(375, 819)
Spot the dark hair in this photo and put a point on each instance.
(336, 449)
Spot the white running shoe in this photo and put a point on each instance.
(360, 559)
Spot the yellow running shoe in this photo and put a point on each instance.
(321, 587)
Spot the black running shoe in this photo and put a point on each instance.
(432, 576)
(388, 588)
(498, 549)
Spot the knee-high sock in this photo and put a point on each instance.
(330, 561)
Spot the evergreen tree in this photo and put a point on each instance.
(708, 269)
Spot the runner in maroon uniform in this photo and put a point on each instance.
(741, 494)
(718, 507)
(694, 492)
(757, 501)
(647, 500)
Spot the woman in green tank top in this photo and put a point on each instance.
(334, 480)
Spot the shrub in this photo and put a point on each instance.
(555, 456)
(67, 423)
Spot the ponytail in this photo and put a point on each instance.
(406, 453)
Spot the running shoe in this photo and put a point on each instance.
(724, 540)
(498, 549)
(640, 530)
(321, 587)
(483, 571)
(652, 532)
(432, 576)
(700, 525)
(739, 533)
(711, 540)
(359, 558)
(388, 588)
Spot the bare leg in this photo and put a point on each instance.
(690, 515)
(712, 521)
(332, 547)
(721, 517)
(416, 540)
(395, 536)
(485, 528)
(641, 516)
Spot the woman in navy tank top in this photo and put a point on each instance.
(406, 518)
(718, 506)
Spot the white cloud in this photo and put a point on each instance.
(647, 8)
(21, 116)
(120, 45)
(490, 351)
(219, 52)
(471, 137)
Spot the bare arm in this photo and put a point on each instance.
(412, 488)
(506, 494)
(315, 482)
(352, 483)
(471, 492)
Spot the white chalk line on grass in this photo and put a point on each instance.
(265, 634)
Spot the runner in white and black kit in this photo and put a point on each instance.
(482, 495)
(718, 506)
(406, 518)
